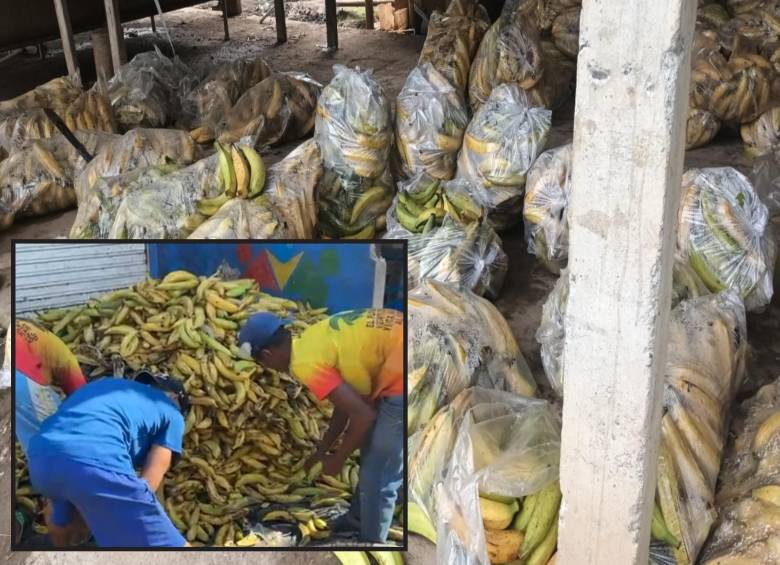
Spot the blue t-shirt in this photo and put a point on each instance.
(111, 424)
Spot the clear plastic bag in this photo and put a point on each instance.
(147, 91)
(566, 32)
(38, 178)
(278, 109)
(209, 104)
(507, 448)
(452, 40)
(701, 128)
(501, 143)
(510, 52)
(762, 137)
(748, 528)
(558, 80)
(431, 117)
(722, 234)
(735, 84)
(137, 149)
(766, 179)
(548, 10)
(545, 210)
(57, 94)
(354, 132)
(458, 340)
(711, 16)
(291, 188)
(243, 219)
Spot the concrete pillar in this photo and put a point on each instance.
(629, 135)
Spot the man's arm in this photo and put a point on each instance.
(338, 422)
(158, 461)
(361, 421)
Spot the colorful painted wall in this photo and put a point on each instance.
(339, 276)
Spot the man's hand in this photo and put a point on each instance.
(332, 464)
(157, 463)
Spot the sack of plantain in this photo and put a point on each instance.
(137, 149)
(510, 52)
(722, 233)
(431, 117)
(57, 95)
(502, 141)
(278, 109)
(248, 431)
(546, 205)
(38, 178)
(556, 87)
(566, 32)
(711, 16)
(546, 11)
(748, 499)
(500, 498)
(762, 137)
(701, 128)
(731, 80)
(452, 40)
(206, 107)
(148, 90)
(353, 129)
(458, 340)
(243, 219)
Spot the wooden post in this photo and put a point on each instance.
(331, 24)
(281, 22)
(66, 34)
(115, 34)
(369, 14)
(223, 4)
(101, 51)
(629, 139)
(154, 26)
(412, 15)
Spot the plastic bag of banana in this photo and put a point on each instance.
(57, 94)
(353, 129)
(566, 32)
(457, 340)
(558, 79)
(220, 89)
(748, 499)
(243, 219)
(736, 85)
(501, 143)
(431, 117)
(701, 128)
(452, 40)
(500, 499)
(711, 16)
(762, 137)
(278, 109)
(509, 53)
(722, 234)
(249, 430)
(148, 90)
(137, 149)
(765, 176)
(38, 179)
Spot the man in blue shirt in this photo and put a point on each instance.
(86, 454)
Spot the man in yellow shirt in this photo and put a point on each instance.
(355, 359)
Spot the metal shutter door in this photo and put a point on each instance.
(51, 275)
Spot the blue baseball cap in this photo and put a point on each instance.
(258, 331)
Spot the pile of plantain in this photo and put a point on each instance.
(502, 141)
(722, 234)
(354, 132)
(431, 117)
(452, 40)
(748, 498)
(249, 430)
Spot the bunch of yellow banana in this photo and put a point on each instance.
(91, 111)
(249, 430)
(566, 32)
(431, 117)
(56, 94)
(509, 53)
(749, 490)
(501, 143)
(422, 208)
(763, 136)
(452, 41)
(702, 126)
(369, 558)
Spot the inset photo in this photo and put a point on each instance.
(191, 394)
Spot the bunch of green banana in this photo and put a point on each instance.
(431, 117)
(452, 40)
(722, 234)
(249, 430)
(501, 143)
(423, 208)
(447, 355)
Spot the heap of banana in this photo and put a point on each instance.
(722, 234)
(249, 430)
(748, 527)
(354, 132)
(424, 203)
(431, 117)
(457, 340)
(502, 141)
(452, 40)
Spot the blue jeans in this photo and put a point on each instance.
(33, 403)
(381, 471)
